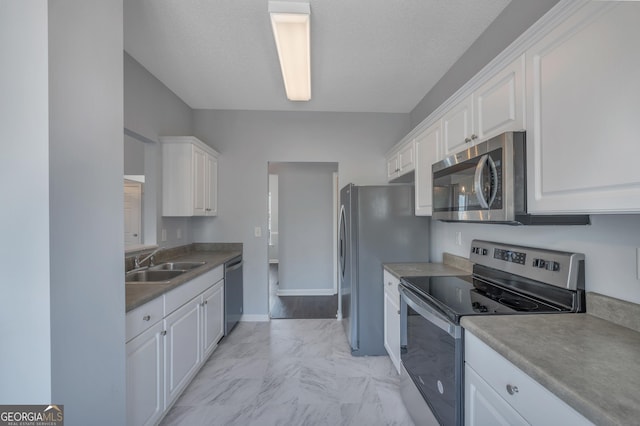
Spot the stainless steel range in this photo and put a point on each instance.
(506, 280)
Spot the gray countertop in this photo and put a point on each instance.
(452, 265)
(590, 363)
(138, 294)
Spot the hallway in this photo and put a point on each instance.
(281, 307)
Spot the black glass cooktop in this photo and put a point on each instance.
(457, 296)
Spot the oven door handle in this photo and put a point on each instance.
(429, 313)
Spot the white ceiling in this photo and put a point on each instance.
(366, 55)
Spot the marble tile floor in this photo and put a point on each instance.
(291, 372)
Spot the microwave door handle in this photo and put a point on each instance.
(494, 180)
(477, 181)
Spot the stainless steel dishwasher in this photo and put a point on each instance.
(232, 293)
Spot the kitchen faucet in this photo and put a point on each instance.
(137, 261)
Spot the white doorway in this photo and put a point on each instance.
(132, 213)
(272, 222)
(302, 248)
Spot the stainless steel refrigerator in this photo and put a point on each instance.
(377, 225)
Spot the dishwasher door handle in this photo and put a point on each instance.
(233, 266)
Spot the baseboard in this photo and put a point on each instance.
(254, 318)
(306, 292)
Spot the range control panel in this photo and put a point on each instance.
(550, 266)
(510, 256)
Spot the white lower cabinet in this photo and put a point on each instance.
(497, 392)
(145, 377)
(182, 349)
(169, 339)
(483, 405)
(392, 318)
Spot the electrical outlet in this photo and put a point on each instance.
(257, 231)
(179, 233)
(164, 235)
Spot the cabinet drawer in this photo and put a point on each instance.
(391, 285)
(143, 317)
(182, 294)
(532, 400)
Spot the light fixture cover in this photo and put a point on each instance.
(291, 28)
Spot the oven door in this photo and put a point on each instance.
(431, 352)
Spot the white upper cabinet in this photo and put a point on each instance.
(392, 166)
(457, 127)
(189, 177)
(428, 147)
(499, 103)
(211, 178)
(401, 162)
(497, 106)
(582, 111)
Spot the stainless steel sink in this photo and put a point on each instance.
(173, 266)
(149, 275)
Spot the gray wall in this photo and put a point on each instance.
(513, 21)
(25, 327)
(133, 156)
(609, 245)
(306, 234)
(85, 210)
(248, 140)
(152, 110)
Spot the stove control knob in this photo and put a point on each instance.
(484, 252)
(553, 266)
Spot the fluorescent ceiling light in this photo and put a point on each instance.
(290, 22)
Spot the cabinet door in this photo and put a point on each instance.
(457, 127)
(213, 317)
(183, 348)
(427, 153)
(177, 179)
(392, 319)
(393, 169)
(145, 377)
(406, 159)
(518, 389)
(200, 186)
(211, 205)
(582, 111)
(499, 103)
(483, 406)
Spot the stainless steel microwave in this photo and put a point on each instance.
(488, 183)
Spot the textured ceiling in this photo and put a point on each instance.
(366, 55)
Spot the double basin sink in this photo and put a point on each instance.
(161, 273)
